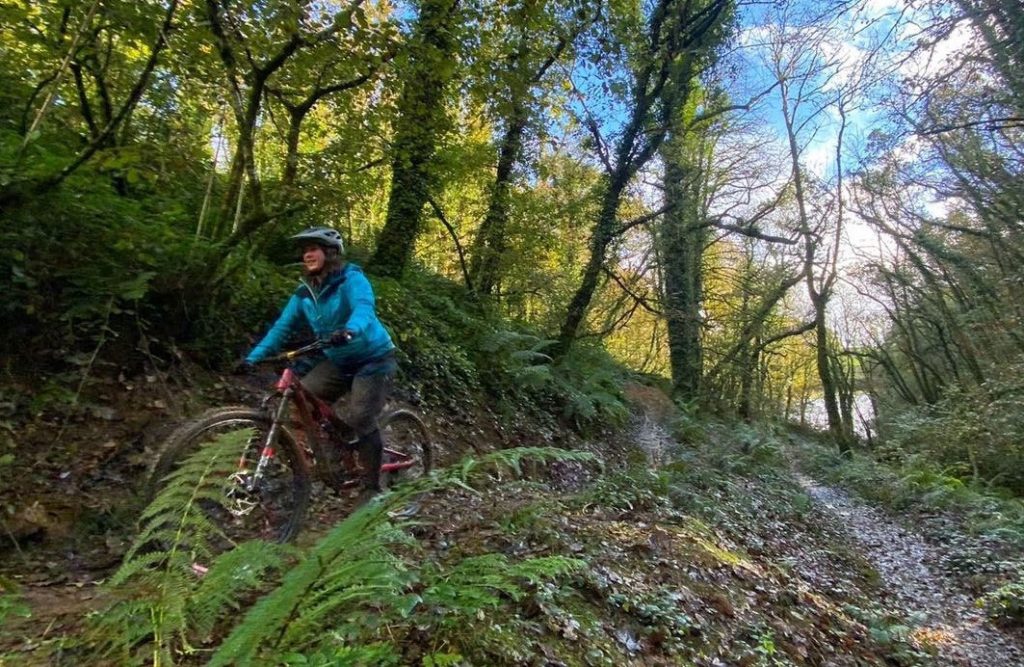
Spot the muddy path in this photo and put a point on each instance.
(951, 623)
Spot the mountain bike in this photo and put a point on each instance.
(293, 439)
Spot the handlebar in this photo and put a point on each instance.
(292, 355)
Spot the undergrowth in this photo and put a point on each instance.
(1005, 605)
(917, 484)
(973, 432)
(639, 563)
(456, 355)
(335, 603)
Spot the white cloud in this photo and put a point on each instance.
(819, 158)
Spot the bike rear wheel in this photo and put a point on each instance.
(274, 508)
(407, 437)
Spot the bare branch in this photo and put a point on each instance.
(751, 231)
(641, 300)
(455, 238)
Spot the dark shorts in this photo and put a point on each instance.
(367, 386)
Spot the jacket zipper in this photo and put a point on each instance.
(316, 301)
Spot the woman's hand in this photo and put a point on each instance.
(341, 337)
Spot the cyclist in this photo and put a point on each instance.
(337, 302)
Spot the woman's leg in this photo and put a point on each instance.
(326, 381)
(369, 392)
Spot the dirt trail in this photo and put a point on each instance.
(952, 623)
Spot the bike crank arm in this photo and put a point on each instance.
(401, 461)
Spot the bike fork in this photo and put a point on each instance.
(267, 452)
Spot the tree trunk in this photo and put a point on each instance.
(681, 37)
(748, 376)
(420, 124)
(604, 232)
(683, 238)
(828, 383)
(487, 267)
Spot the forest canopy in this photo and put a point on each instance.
(802, 210)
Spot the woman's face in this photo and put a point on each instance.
(313, 258)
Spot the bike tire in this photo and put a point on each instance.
(281, 504)
(403, 431)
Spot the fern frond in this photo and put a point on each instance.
(134, 567)
(334, 558)
(512, 460)
(230, 577)
(353, 569)
(530, 357)
(152, 589)
(503, 339)
(479, 582)
(534, 376)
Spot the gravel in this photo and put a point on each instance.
(952, 623)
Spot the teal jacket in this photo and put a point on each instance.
(344, 301)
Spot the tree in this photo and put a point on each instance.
(102, 131)
(682, 237)
(288, 29)
(542, 33)
(680, 38)
(809, 82)
(428, 69)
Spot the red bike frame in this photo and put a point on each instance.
(312, 410)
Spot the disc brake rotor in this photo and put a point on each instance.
(240, 501)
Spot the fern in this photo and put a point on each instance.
(522, 356)
(353, 570)
(241, 569)
(160, 603)
(534, 376)
(348, 568)
(513, 343)
(475, 583)
(336, 590)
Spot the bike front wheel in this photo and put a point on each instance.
(239, 503)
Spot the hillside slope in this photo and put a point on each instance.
(703, 553)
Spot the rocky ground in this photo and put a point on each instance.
(948, 620)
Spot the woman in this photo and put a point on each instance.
(337, 302)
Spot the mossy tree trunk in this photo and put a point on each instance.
(422, 120)
(682, 236)
(533, 56)
(491, 241)
(681, 39)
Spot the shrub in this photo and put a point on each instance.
(1006, 604)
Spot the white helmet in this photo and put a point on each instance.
(325, 236)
